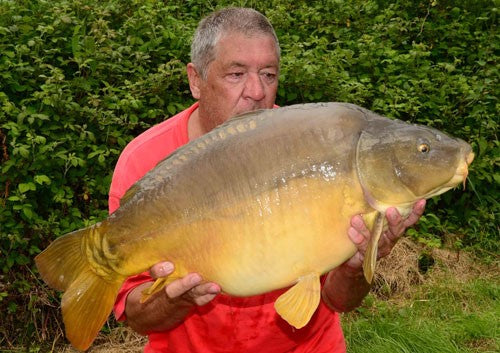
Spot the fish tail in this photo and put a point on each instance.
(85, 307)
(89, 294)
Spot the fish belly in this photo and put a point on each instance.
(270, 240)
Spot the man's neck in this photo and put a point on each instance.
(195, 128)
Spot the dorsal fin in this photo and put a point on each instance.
(129, 194)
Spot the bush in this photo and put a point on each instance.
(79, 79)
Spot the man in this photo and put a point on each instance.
(234, 69)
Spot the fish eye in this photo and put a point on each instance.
(424, 148)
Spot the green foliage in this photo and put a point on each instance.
(79, 79)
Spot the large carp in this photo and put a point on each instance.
(262, 202)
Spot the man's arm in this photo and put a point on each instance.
(345, 286)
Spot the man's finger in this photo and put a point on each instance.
(416, 213)
(393, 216)
(358, 229)
(161, 269)
(182, 285)
(359, 225)
(395, 224)
(205, 288)
(204, 293)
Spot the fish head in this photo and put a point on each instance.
(399, 163)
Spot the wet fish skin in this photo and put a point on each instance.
(260, 203)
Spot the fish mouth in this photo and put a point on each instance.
(460, 177)
(462, 171)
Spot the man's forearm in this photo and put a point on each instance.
(159, 313)
(345, 288)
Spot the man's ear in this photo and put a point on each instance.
(194, 80)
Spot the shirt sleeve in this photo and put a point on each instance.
(126, 173)
(127, 287)
(113, 203)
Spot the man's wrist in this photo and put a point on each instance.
(352, 268)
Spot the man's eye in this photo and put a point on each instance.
(235, 77)
(269, 76)
(235, 74)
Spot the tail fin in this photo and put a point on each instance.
(85, 306)
(88, 298)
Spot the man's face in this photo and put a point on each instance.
(243, 77)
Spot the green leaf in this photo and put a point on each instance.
(23, 151)
(22, 260)
(171, 109)
(25, 187)
(483, 146)
(12, 307)
(28, 212)
(42, 179)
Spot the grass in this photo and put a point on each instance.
(442, 317)
(118, 340)
(454, 308)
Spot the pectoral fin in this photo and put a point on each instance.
(298, 304)
(157, 286)
(370, 260)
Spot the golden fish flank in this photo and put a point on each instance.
(268, 193)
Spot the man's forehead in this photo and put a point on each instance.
(238, 50)
(241, 64)
(240, 41)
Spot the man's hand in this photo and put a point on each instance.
(190, 288)
(345, 286)
(170, 306)
(360, 235)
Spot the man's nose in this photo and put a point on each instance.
(254, 87)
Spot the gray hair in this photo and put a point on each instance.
(213, 27)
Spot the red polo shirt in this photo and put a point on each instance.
(226, 324)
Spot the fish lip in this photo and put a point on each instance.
(470, 157)
(460, 176)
